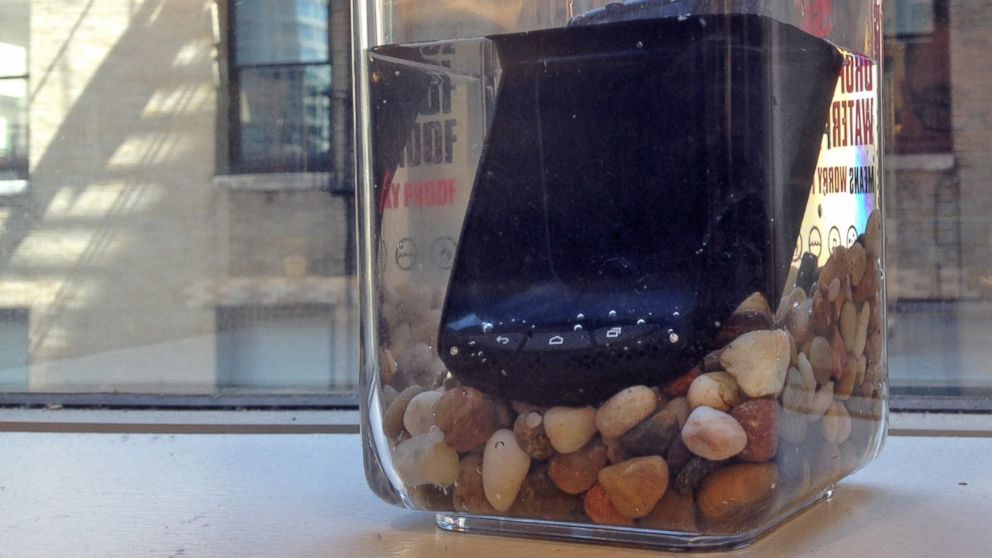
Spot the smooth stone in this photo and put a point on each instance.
(789, 303)
(822, 400)
(758, 361)
(674, 512)
(849, 325)
(757, 303)
(504, 468)
(821, 359)
(796, 396)
(636, 485)
(873, 235)
(539, 498)
(531, 437)
(576, 472)
(392, 418)
(468, 495)
(468, 417)
(859, 262)
(713, 434)
(625, 410)
(760, 420)
(741, 323)
(677, 456)
(693, 473)
(652, 436)
(799, 321)
(838, 267)
(419, 415)
(424, 459)
(861, 336)
(600, 509)
(836, 424)
(718, 390)
(680, 408)
(821, 313)
(837, 354)
(569, 428)
(732, 497)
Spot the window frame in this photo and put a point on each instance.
(236, 163)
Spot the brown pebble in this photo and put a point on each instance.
(759, 417)
(652, 436)
(822, 314)
(531, 437)
(539, 498)
(576, 472)
(469, 417)
(600, 510)
(729, 499)
(674, 512)
(756, 302)
(680, 386)
(468, 495)
(741, 323)
(838, 352)
(636, 485)
(711, 363)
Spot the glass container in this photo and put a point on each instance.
(621, 263)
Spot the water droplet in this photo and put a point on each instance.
(716, 323)
(578, 327)
(453, 351)
(487, 327)
(397, 72)
(639, 44)
(613, 313)
(673, 337)
(676, 314)
(641, 322)
(580, 317)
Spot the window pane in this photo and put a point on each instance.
(13, 129)
(14, 37)
(285, 118)
(267, 32)
(131, 260)
(939, 213)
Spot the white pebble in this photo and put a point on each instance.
(419, 415)
(504, 468)
(714, 389)
(821, 401)
(713, 434)
(423, 460)
(759, 360)
(625, 410)
(569, 428)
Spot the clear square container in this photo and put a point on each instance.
(621, 263)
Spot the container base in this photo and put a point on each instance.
(606, 534)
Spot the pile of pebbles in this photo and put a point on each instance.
(792, 402)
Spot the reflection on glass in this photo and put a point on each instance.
(129, 264)
(285, 117)
(279, 32)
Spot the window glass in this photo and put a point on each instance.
(938, 210)
(13, 94)
(130, 266)
(285, 117)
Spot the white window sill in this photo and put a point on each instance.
(305, 495)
